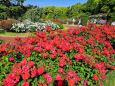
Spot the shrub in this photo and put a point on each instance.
(19, 27)
(84, 20)
(32, 27)
(112, 17)
(79, 56)
(3, 15)
(33, 14)
(7, 24)
(1, 41)
(60, 26)
(2, 30)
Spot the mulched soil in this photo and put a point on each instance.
(73, 26)
(9, 39)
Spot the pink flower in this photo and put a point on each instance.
(11, 59)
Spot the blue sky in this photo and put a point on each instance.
(43, 3)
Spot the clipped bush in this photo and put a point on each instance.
(7, 24)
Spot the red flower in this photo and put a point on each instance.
(60, 83)
(71, 82)
(58, 77)
(100, 84)
(25, 84)
(95, 77)
(85, 83)
(40, 70)
(30, 63)
(23, 62)
(48, 77)
(78, 57)
(33, 72)
(62, 62)
(60, 70)
(52, 56)
(100, 65)
(45, 55)
(25, 76)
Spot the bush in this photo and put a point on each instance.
(84, 20)
(32, 27)
(7, 24)
(2, 30)
(79, 56)
(19, 27)
(112, 17)
(3, 15)
(33, 14)
(1, 41)
(61, 26)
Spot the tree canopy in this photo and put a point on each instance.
(16, 9)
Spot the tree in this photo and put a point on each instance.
(105, 9)
(33, 14)
(20, 2)
(5, 2)
(76, 10)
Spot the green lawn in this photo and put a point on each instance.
(110, 79)
(12, 34)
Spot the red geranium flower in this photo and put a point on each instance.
(58, 77)
(78, 57)
(60, 70)
(25, 76)
(40, 70)
(48, 77)
(95, 77)
(25, 84)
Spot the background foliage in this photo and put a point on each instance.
(16, 9)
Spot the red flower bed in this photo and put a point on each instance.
(79, 56)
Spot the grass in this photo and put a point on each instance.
(110, 79)
(13, 34)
